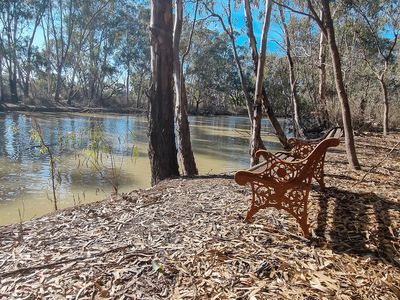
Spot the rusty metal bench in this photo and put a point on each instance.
(284, 184)
(301, 148)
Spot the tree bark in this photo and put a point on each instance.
(341, 90)
(139, 92)
(385, 102)
(258, 95)
(1, 76)
(298, 130)
(162, 147)
(323, 110)
(254, 54)
(127, 84)
(181, 115)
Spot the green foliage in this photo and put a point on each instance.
(44, 148)
(99, 154)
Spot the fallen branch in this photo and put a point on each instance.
(65, 261)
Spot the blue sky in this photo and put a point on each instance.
(275, 32)
(238, 20)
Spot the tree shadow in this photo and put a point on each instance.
(359, 224)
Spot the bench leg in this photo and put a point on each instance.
(249, 215)
(293, 200)
(252, 210)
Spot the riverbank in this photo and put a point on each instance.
(185, 239)
(10, 107)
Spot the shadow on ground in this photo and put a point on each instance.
(362, 224)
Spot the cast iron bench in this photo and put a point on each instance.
(301, 148)
(284, 184)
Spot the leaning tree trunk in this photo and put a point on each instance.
(385, 105)
(162, 147)
(298, 130)
(230, 32)
(254, 54)
(341, 90)
(258, 95)
(181, 115)
(242, 78)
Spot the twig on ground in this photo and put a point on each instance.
(377, 164)
(65, 261)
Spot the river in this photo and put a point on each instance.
(220, 145)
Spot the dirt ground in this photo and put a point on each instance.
(186, 239)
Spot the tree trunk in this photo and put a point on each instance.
(181, 115)
(46, 38)
(28, 70)
(127, 84)
(258, 95)
(323, 110)
(162, 147)
(1, 77)
(139, 92)
(298, 130)
(243, 83)
(254, 54)
(12, 80)
(342, 94)
(242, 78)
(363, 102)
(58, 83)
(72, 86)
(385, 105)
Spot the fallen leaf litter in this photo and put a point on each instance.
(186, 239)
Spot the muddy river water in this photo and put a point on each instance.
(220, 145)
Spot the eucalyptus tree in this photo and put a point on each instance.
(35, 11)
(62, 17)
(258, 94)
(323, 110)
(162, 147)
(210, 72)
(181, 101)
(133, 48)
(2, 51)
(381, 22)
(256, 59)
(12, 12)
(297, 128)
(227, 26)
(92, 15)
(141, 53)
(327, 26)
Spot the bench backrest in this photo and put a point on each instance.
(302, 148)
(317, 155)
(335, 132)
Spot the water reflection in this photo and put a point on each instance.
(220, 145)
